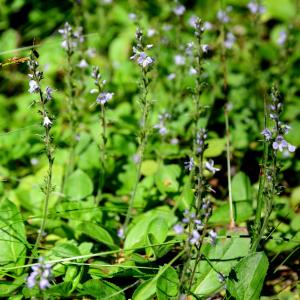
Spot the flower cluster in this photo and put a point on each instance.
(35, 77)
(103, 96)
(200, 140)
(40, 275)
(255, 8)
(71, 38)
(161, 126)
(189, 218)
(222, 15)
(139, 52)
(276, 134)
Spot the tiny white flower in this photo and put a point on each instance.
(83, 64)
(47, 122)
(209, 165)
(179, 60)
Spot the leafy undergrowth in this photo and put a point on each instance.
(115, 162)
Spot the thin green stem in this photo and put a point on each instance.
(231, 214)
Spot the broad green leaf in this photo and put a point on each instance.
(138, 232)
(97, 233)
(149, 167)
(12, 235)
(282, 11)
(166, 178)
(101, 289)
(215, 147)
(65, 250)
(242, 212)
(146, 290)
(7, 287)
(241, 187)
(62, 289)
(247, 277)
(158, 227)
(167, 285)
(223, 257)
(78, 186)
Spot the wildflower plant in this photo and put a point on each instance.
(145, 63)
(102, 99)
(40, 275)
(269, 183)
(44, 97)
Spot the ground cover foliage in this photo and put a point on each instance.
(149, 149)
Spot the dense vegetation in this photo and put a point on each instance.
(149, 149)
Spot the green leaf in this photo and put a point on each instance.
(138, 232)
(97, 233)
(7, 288)
(223, 257)
(241, 187)
(167, 285)
(12, 235)
(247, 277)
(146, 290)
(158, 227)
(149, 167)
(66, 250)
(78, 185)
(166, 178)
(215, 147)
(101, 289)
(282, 12)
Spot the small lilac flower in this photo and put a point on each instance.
(178, 228)
(40, 275)
(282, 38)
(174, 141)
(205, 48)
(255, 8)
(120, 233)
(291, 148)
(267, 134)
(171, 76)
(151, 32)
(195, 237)
(83, 64)
(209, 165)
(192, 21)
(222, 16)
(104, 97)
(179, 10)
(34, 161)
(33, 87)
(179, 60)
(280, 143)
(47, 122)
(230, 40)
(213, 237)
(189, 165)
(136, 158)
(161, 128)
(49, 92)
(192, 71)
(91, 52)
(144, 60)
(207, 26)
(132, 16)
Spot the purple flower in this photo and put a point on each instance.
(205, 48)
(280, 143)
(230, 40)
(40, 275)
(282, 38)
(179, 60)
(189, 165)
(178, 228)
(209, 165)
(83, 64)
(104, 97)
(179, 10)
(49, 92)
(33, 87)
(267, 134)
(255, 8)
(171, 76)
(195, 237)
(222, 16)
(120, 233)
